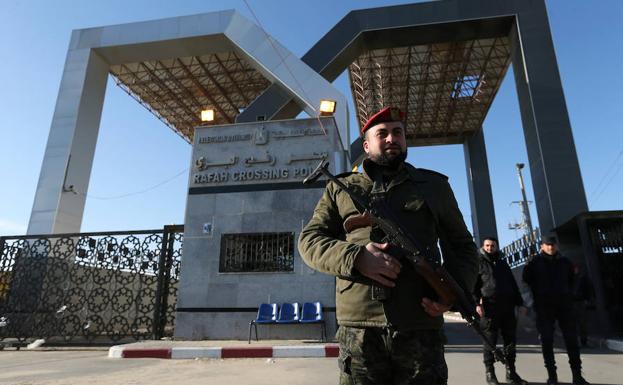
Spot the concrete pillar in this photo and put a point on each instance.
(69, 152)
(479, 183)
(556, 179)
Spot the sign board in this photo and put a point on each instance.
(262, 152)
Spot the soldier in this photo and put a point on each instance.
(398, 340)
(550, 278)
(497, 295)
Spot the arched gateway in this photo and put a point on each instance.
(442, 62)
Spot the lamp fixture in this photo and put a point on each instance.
(327, 107)
(207, 115)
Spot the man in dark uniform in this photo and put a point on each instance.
(397, 340)
(497, 295)
(550, 278)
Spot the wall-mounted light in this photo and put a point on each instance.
(207, 115)
(327, 107)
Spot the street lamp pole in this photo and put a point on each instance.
(525, 211)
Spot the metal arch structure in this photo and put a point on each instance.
(175, 68)
(433, 67)
(442, 62)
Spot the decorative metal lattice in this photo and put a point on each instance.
(90, 287)
(520, 251)
(607, 238)
(257, 252)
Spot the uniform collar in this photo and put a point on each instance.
(398, 176)
(549, 257)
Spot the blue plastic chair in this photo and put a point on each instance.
(312, 313)
(266, 314)
(289, 313)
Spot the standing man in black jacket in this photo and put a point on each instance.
(550, 277)
(497, 295)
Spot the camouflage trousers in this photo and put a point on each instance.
(379, 356)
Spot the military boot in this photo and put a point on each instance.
(577, 377)
(490, 376)
(552, 377)
(512, 377)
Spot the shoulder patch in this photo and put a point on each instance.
(431, 172)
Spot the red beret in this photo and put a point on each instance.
(387, 114)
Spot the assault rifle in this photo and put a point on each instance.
(404, 245)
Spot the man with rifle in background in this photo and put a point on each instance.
(390, 318)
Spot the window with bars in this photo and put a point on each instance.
(257, 252)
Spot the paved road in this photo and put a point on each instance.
(92, 367)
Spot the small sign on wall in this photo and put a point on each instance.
(207, 229)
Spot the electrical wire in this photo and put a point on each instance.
(257, 20)
(132, 193)
(612, 177)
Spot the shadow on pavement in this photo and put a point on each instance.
(461, 338)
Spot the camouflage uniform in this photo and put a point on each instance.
(368, 355)
(408, 340)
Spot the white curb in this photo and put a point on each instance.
(190, 352)
(115, 352)
(299, 351)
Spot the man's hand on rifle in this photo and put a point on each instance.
(433, 308)
(480, 310)
(375, 264)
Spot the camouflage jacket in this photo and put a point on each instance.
(421, 199)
